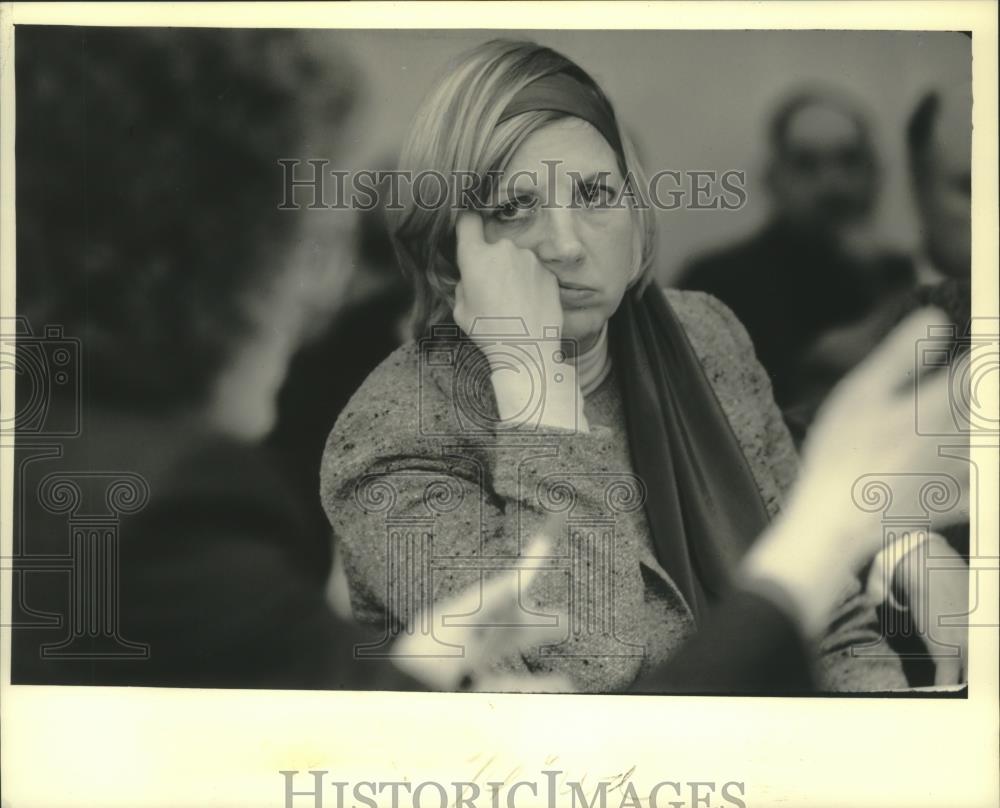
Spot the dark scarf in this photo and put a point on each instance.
(702, 503)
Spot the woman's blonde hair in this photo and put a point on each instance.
(455, 131)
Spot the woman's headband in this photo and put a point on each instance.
(561, 92)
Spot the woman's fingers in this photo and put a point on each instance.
(459, 308)
(470, 239)
(503, 282)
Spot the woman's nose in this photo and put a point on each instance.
(559, 241)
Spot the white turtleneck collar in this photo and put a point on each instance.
(594, 364)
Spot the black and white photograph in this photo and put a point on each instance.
(646, 373)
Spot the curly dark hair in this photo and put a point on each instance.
(147, 192)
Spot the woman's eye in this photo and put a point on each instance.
(515, 209)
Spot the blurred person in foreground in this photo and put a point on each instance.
(812, 287)
(148, 227)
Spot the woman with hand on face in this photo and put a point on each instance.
(551, 374)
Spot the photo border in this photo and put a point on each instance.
(170, 747)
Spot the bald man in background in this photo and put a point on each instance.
(812, 287)
(939, 143)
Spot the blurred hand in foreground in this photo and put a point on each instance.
(866, 426)
(495, 629)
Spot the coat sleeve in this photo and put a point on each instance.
(854, 655)
(405, 477)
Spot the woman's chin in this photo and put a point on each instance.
(582, 328)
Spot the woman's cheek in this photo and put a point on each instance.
(614, 228)
(612, 247)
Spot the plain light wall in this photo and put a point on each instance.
(691, 99)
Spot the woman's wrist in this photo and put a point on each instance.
(553, 401)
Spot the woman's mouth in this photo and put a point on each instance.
(573, 295)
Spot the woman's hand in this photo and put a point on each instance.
(502, 282)
(508, 304)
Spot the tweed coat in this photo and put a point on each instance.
(426, 493)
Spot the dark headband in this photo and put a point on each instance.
(561, 92)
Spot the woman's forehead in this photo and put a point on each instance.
(564, 148)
